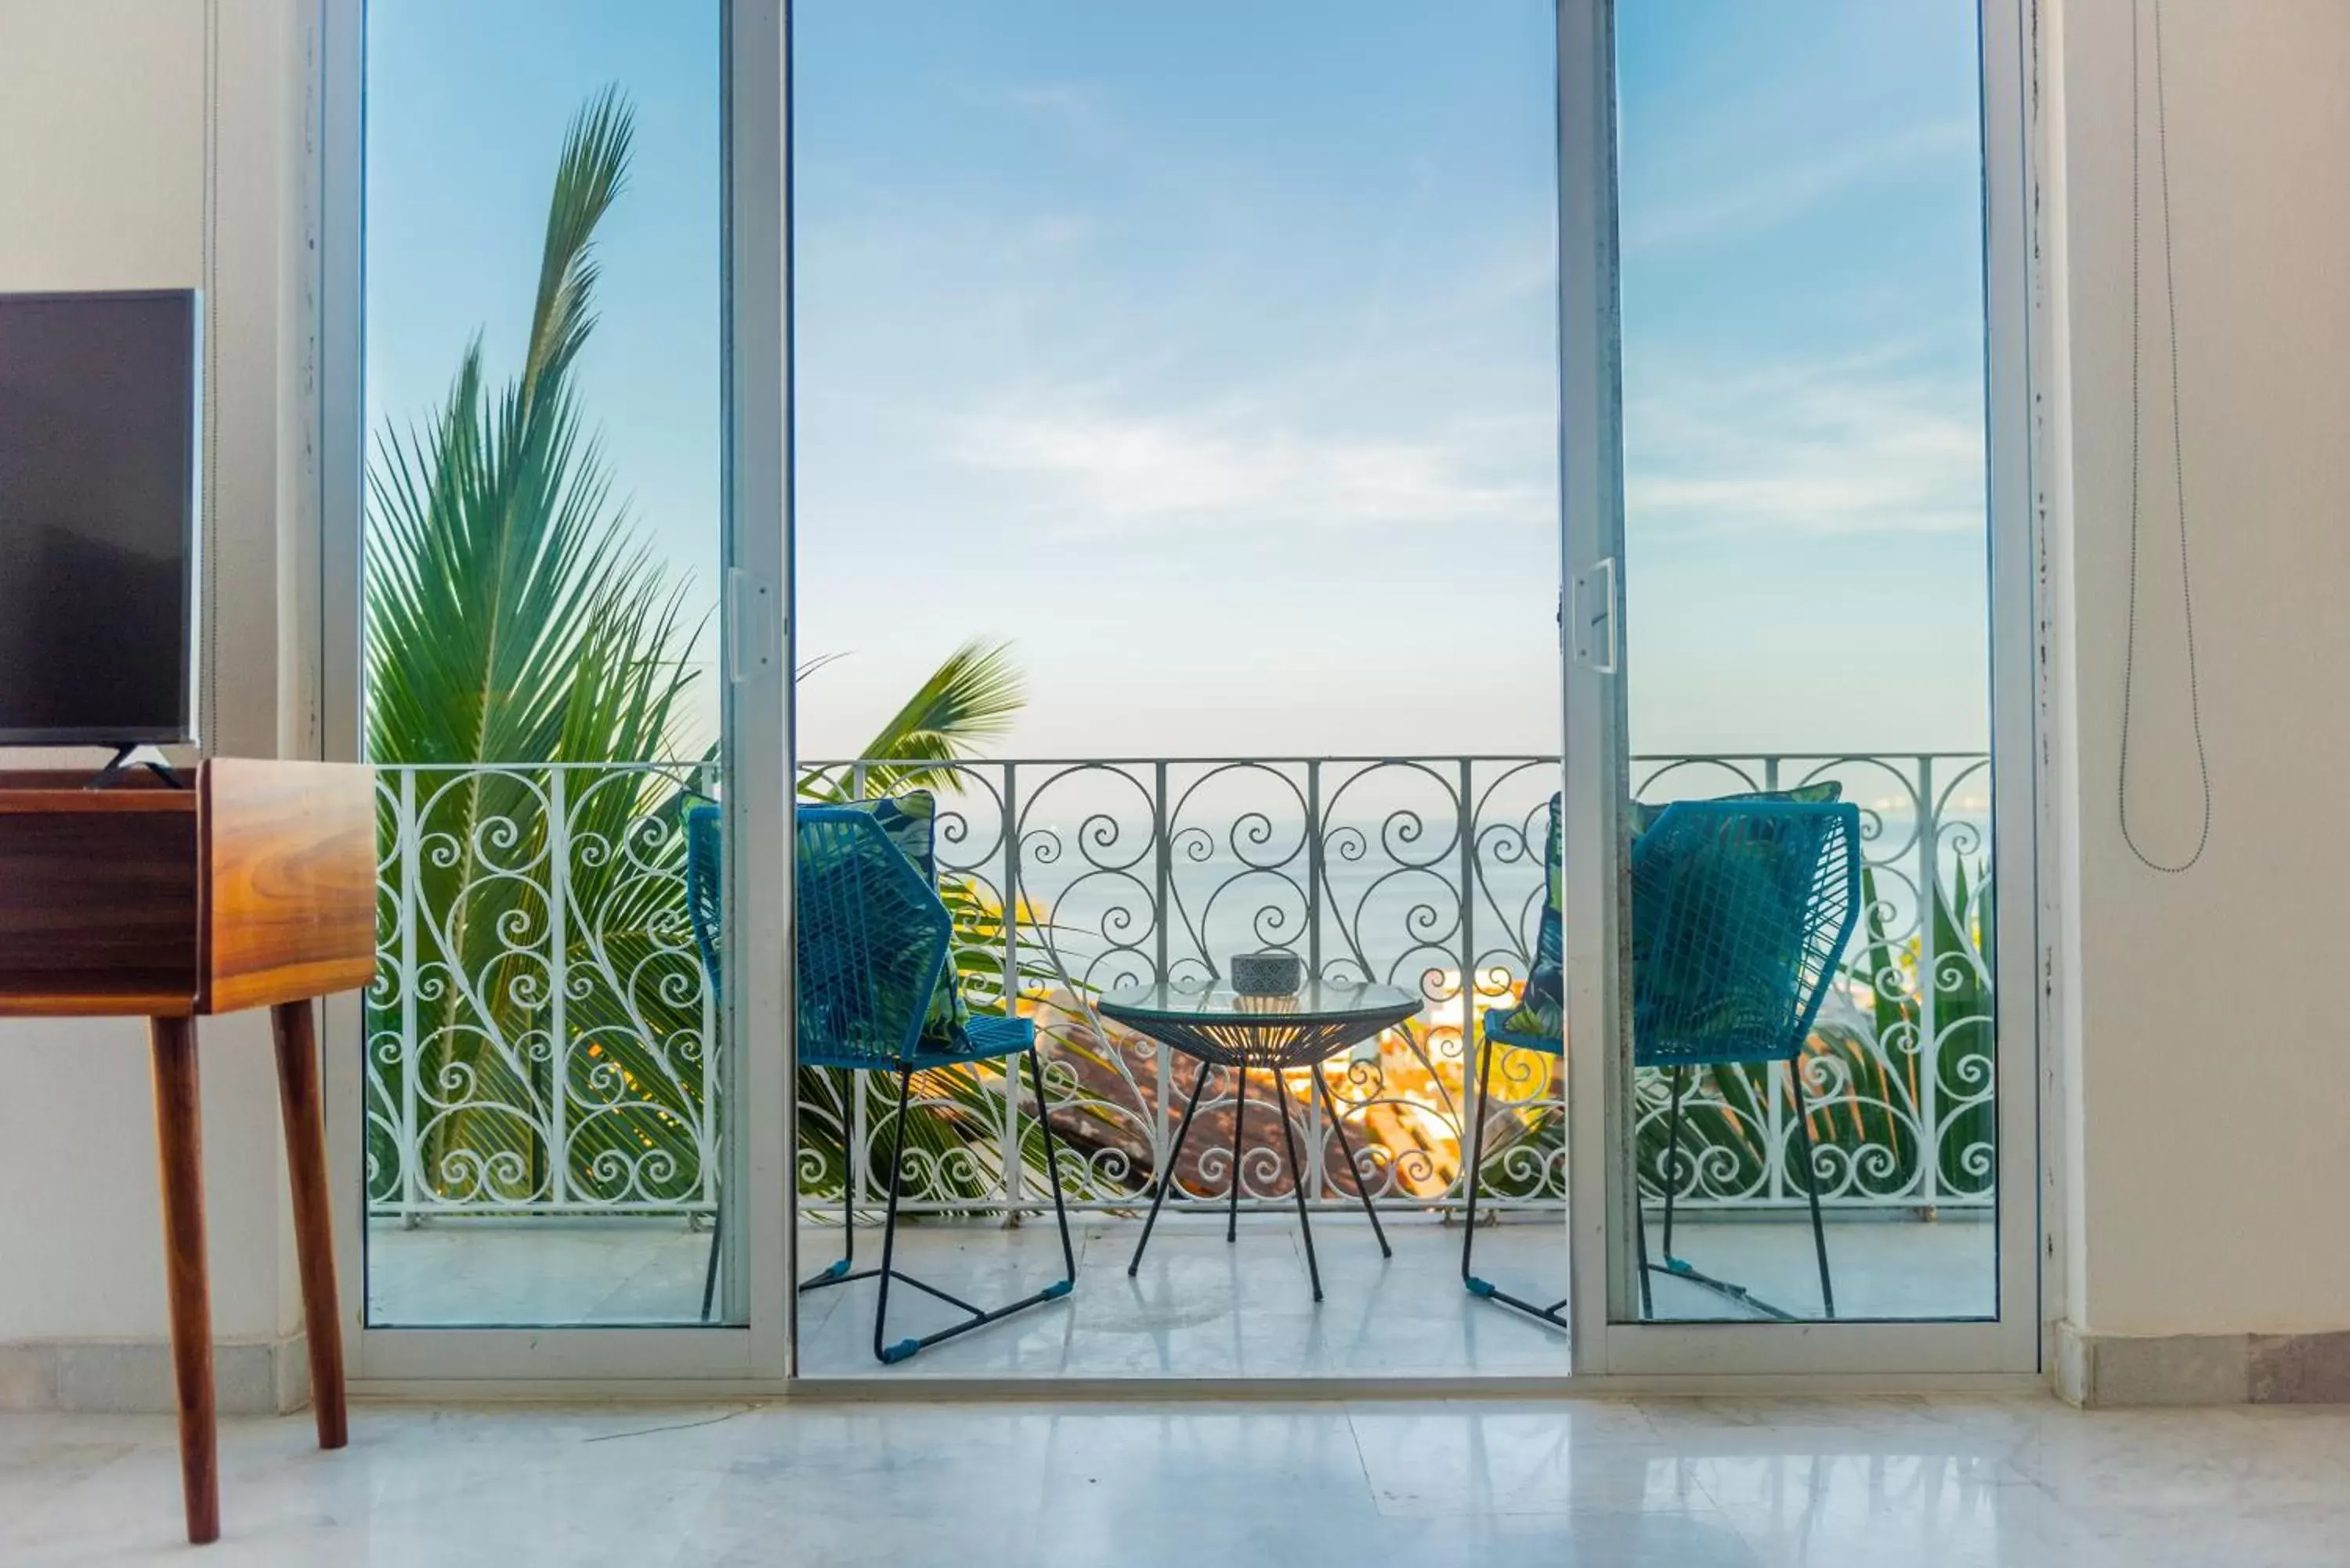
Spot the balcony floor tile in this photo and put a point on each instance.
(1200, 1307)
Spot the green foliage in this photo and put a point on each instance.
(970, 699)
(1862, 1073)
(513, 617)
(516, 618)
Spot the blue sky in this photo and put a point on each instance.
(1207, 350)
(467, 103)
(1805, 507)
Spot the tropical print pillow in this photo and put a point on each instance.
(1642, 816)
(911, 822)
(1542, 1009)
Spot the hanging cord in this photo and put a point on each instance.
(2177, 452)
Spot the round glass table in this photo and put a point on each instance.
(1216, 1027)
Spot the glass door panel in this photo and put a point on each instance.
(545, 547)
(1176, 485)
(1806, 603)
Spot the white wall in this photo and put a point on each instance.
(2204, 1031)
(102, 120)
(103, 183)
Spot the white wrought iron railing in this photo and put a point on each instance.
(541, 1038)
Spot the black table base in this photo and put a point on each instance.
(1269, 1034)
(1297, 1172)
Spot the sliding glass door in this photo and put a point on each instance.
(1781, 440)
(555, 456)
(1177, 523)
(1791, 299)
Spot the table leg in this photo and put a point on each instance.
(1239, 1121)
(180, 1157)
(1167, 1176)
(1347, 1150)
(1297, 1186)
(314, 1240)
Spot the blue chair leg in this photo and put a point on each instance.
(832, 1273)
(884, 1352)
(1673, 1159)
(1053, 1167)
(888, 1352)
(839, 1270)
(1640, 1235)
(1681, 1270)
(1475, 1172)
(710, 1274)
(1552, 1314)
(1812, 1186)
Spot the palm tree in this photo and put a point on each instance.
(517, 619)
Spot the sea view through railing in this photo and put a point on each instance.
(543, 1039)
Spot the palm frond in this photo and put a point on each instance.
(588, 178)
(499, 562)
(818, 662)
(971, 698)
(516, 617)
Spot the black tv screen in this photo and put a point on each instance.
(98, 485)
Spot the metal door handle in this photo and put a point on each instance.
(1595, 629)
(750, 625)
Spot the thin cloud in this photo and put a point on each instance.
(1078, 109)
(1778, 195)
(1854, 446)
(1112, 471)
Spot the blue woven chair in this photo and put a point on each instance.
(1741, 912)
(873, 943)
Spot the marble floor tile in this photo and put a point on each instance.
(1449, 1459)
(1946, 1482)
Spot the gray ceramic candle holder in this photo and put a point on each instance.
(1271, 972)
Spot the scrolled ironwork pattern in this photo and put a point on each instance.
(541, 1037)
(1898, 1079)
(540, 1033)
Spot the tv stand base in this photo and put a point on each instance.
(125, 760)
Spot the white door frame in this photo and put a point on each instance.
(757, 701)
(759, 1357)
(1606, 1344)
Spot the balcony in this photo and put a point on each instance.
(541, 1055)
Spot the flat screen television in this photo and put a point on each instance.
(98, 412)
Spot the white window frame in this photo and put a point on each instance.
(1607, 1355)
(1609, 1347)
(756, 1353)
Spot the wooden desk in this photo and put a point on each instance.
(253, 889)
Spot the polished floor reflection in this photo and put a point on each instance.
(1653, 1483)
(1200, 1306)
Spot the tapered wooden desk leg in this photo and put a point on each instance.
(314, 1240)
(180, 1151)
